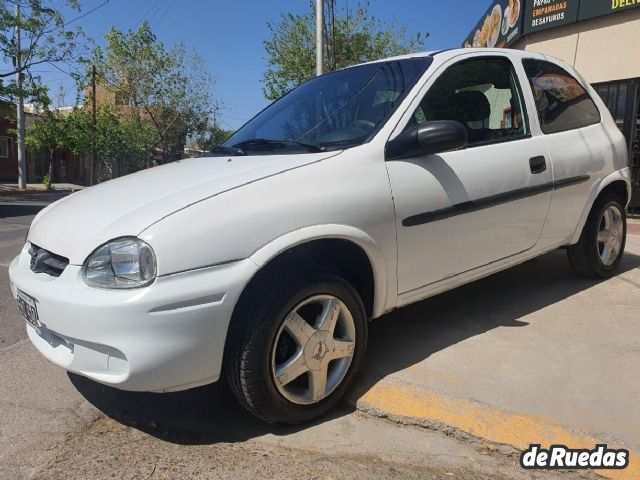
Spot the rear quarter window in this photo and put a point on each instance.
(562, 103)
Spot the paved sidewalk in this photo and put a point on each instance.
(35, 188)
(529, 355)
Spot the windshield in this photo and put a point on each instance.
(334, 111)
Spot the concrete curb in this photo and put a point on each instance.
(512, 432)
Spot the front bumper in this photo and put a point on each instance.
(165, 337)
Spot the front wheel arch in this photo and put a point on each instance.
(344, 257)
(347, 241)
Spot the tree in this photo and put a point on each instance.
(169, 87)
(122, 141)
(45, 39)
(32, 32)
(213, 136)
(48, 135)
(351, 37)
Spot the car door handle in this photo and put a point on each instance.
(537, 164)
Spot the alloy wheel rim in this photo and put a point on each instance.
(313, 349)
(610, 235)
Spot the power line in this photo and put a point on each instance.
(78, 17)
(243, 105)
(72, 75)
(227, 124)
(164, 14)
(148, 10)
(87, 13)
(160, 7)
(232, 117)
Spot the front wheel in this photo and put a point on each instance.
(601, 245)
(295, 350)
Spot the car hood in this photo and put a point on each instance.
(76, 225)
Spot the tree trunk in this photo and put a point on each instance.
(50, 173)
(51, 167)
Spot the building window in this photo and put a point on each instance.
(614, 95)
(4, 147)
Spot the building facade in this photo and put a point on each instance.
(67, 168)
(599, 38)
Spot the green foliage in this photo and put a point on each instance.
(46, 181)
(49, 133)
(122, 139)
(45, 39)
(170, 88)
(351, 37)
(213, 136)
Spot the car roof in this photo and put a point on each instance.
(444, 55)
(454, 52)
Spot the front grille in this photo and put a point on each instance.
(44, 261)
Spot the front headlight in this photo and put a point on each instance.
(120, 263)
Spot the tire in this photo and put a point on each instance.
(588, 257)
(260, 345)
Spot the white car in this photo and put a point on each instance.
(359, 192)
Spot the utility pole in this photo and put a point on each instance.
(93, 130)
(319, 37)
(22, 157)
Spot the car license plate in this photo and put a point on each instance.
(29, 309)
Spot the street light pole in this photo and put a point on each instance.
(319, 37)
(22, 160)
(93, 129)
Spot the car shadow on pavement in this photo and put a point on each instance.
(402, 338)
(200, 416)
(27, 205)
(410, 335)
(10, 211)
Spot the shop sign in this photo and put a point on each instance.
(544, 14)
(598, 8)
(500, 27)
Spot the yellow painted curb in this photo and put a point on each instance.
(490, 424)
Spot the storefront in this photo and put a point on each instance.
(599, 38)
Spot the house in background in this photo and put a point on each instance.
(107, 95)
(67, 168)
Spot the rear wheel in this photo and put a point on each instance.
(599, 250)
(295, 349)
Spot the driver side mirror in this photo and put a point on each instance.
(429, 138)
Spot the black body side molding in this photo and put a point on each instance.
(490, 201)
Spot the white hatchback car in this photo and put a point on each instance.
(361, 191)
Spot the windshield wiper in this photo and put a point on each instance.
(278, 144)
(221, 149)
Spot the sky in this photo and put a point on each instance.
(229, 36)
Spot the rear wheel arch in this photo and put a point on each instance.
(619, 183)
(620, 188)
(601, 246)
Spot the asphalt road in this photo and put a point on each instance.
(54, 425)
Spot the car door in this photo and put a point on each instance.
(460, 210)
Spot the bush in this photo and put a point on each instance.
(46, 181)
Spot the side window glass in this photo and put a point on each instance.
(562, 103)
(483, 94)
